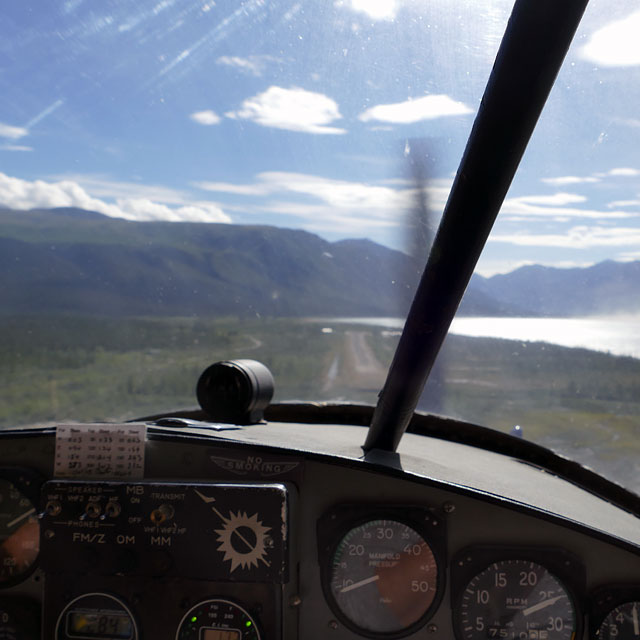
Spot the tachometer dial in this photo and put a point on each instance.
(217, 619)
(516, 599)
(384, 578)
(19, 533)
(622, 623)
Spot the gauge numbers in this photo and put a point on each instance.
(96, 616)
(622, 623)
(516, 599)
(384, 577)
(19, 533)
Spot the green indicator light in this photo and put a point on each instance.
(247, 623)
(194, 619)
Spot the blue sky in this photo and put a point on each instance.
(304, 115)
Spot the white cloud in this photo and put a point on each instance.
(341, 194)
(8, 131)
(425, 108)
(252, 65)
(624, 203)
(555, 199)
(15, 147)
(292, 109)
(625, 172)
(23, 194)
(102, 186)
(329, 205)
(325, 204)
(581, 237)
(260, 189)
(566, 180)
(143, 209)
(553, 206)
(616, 44)
(628, 256)
(374, 9)
(563, 181)
(205, 117)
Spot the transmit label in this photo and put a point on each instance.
(100, 451)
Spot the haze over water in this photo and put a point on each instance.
(618, 335)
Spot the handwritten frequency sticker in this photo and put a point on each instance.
(100, 451)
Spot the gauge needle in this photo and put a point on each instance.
(26, 514)
(541, 605)
(636, 625)
(362, 583)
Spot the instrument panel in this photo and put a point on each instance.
(296, 546)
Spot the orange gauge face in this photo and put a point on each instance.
(19, 533)
(384, 577)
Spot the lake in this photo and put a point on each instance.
(619, 335)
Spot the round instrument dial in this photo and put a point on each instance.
(19, 619)
(384, 578)
(622, 623)
(515, 599)
(19, 533)
(96, 616)
(217, 619)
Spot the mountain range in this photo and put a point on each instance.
(608, 287)
(70, 260)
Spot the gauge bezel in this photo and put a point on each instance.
(25, 611)
(339, 521)
(561, 564)
(234, 603)
(102, 594)
(603, 600)
(29, 483)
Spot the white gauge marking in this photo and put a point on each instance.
(255, 552)
(206, 499)
(541, 605)
(22, 517)
(361, 583)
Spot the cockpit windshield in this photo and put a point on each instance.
(184, 182)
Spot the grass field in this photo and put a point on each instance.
(60, 368)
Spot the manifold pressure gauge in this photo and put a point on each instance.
(19, 533)
(384, 578)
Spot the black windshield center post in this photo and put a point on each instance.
(535, 43)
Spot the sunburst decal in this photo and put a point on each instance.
(242, 539)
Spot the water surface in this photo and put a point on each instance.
(618, 335)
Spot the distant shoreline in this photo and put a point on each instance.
(616, 335)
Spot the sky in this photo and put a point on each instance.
(308, 114)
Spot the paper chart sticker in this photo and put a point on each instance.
(100, 451)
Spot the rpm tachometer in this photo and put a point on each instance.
(516, 600)
(384, 578)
